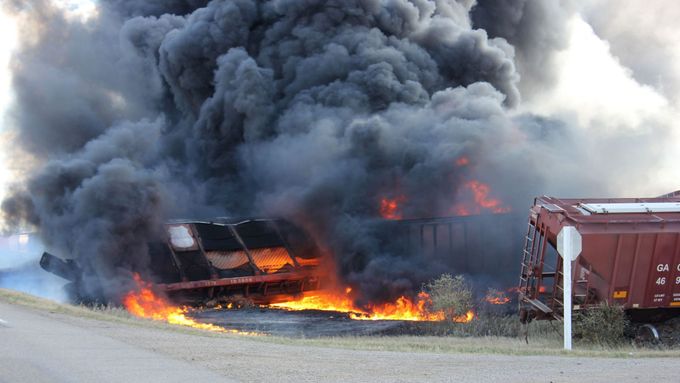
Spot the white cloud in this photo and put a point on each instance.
(625, 127)
(644, 35)
(595, 88)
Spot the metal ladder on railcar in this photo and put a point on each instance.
(527, 260)
(532, 275)
(556, 302)
(582, 292)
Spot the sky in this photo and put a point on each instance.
(605, 84)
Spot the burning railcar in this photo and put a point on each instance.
(258, 259)
(271, 260)
(630, 256)
(480, 246)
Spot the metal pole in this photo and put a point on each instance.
(569, 244)
(566, 289)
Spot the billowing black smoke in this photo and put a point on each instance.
(310, 110)
(535, 28)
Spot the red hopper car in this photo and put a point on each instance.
(630, 256)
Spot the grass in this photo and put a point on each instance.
(101, 313)
(477, 345)
(543, 340)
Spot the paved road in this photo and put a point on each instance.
(39, 346)
(34, 348)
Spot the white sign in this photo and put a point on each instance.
(569, 242)
(569, 247)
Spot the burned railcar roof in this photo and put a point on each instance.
(228, 233)
(221, 220)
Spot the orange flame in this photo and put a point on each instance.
(389, 207)
(144, 303)
(481, 193)
(468, 317)
(482, 201)
(462, 161)
(402, 309)
(496, 297)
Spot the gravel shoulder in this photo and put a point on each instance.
(115, 340)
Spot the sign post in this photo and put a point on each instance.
(569, 247)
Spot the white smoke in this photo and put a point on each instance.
(620, 94)
(19, 270)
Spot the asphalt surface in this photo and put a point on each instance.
(34, 348)
(40, 346)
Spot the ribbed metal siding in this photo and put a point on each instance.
(227, 259)
(271, 259)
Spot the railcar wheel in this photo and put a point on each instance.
(647, 333)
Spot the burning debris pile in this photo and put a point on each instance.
(329, 114)
(144, 302)
(402, 309)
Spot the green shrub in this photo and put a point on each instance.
(603, 325)
(449, 294)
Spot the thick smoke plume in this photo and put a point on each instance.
(535, 28)
(305, 109)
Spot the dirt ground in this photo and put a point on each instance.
(250, 359)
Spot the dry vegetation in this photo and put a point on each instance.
(603, 325)
(452, 295)
(103, 313)
(483, 335)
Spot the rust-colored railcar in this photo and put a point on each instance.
(630, 256)
(262, 260)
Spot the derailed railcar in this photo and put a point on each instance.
(259, 259)
(630, 256)
(198, 261)
(480, 246)
(267, 260)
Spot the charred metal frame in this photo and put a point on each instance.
(247, 280)
(261, 283)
